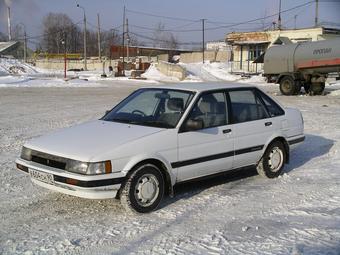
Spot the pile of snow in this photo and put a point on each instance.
(216, 71)
(154, 74)
(16, 67)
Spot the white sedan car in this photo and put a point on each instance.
(160, 136)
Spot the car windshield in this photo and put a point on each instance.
(151, 107)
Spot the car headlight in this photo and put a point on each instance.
(89, 168)
(99, 168)
(76, 166)
(26, 154)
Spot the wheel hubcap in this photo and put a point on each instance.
(287, 86)
(147, 190)
(275, 160)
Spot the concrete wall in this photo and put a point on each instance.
(221, 56)
(58, 64)
(170, 69)
(163, 57)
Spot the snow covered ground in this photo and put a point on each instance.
(242, 213)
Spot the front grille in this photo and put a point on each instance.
(49, 162)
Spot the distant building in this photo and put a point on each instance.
(248, 46)
(217, 45)
(117, 52)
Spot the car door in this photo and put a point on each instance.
(210, 149)
(252, 126)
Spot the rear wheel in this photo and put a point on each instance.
(273, 160)
(317, 88)
(287, 86)
(143, 190)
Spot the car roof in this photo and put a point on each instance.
(200, 87)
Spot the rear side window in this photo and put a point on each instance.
(246, 106)
(273, 108)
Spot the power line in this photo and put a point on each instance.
(162, 40)
(159, 16)
(266, 17)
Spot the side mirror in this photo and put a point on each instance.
(106, 112)
(192, 125)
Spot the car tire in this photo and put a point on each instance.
(272, 161)
(143, 190)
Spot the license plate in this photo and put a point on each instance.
(40, 176)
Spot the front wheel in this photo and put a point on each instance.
(288, 86)
(143, 190)
(272, 161)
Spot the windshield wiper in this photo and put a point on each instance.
(122, 120)
(155, 123)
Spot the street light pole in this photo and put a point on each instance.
(64, 43)
(279, 22)
(85, 31)
(203, 40)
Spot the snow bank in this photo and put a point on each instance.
(14, 66)
(216, 71)
(154, 74)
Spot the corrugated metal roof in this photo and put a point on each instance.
(249, 42)
(6, 45)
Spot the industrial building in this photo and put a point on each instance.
(248, 46)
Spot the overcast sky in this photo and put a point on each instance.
(31, 12)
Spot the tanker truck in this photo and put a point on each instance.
(306, 64)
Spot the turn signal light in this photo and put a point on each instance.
(71, 181)
(108, 167)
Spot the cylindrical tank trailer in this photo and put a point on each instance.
(302, 64)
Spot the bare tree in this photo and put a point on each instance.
(163, 38)
(58, 28)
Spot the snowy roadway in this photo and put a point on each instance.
(298, 213)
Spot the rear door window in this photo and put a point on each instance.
(246, 106)
(273, 108)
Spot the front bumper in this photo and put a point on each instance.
(85, 186)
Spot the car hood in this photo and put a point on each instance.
(85, 141)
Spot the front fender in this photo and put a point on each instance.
(127, 164)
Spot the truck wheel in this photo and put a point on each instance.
(143, 190)
(272, 161)
(287, 86)
(317, 88)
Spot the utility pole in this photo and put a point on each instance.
(25, 46)
(123, 41)
(9, 23)
(203, 41)
(64, 43)
(127, 40)
(316, 13)
(85, 32)
(25, 41)
(99, 39)
(279, 22)
(295, 17)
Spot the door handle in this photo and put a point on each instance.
(226, 131)
(267, 124)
